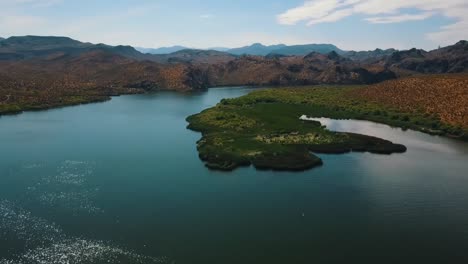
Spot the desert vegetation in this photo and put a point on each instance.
(44, 72)
(264, 127)
(443, 97)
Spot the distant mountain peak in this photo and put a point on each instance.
(281, 49)
(35, 39)
(162, 50)
(302, 50)
(41, 42)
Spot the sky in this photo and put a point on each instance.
(349, 24)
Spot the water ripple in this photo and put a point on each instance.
(46, 243)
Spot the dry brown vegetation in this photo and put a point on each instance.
(89, 77)
(43, 72)
(445, 96)
(295, 70)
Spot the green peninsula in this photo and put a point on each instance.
(264, 129)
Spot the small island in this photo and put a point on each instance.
(267, 129)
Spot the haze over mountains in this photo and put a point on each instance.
(172, 49)
(281, 49)
(162, 50)
(257, 49)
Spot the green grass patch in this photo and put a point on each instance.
(263, 128)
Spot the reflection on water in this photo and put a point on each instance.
(45, 242)
(67, 188)
(411, 139)
(425, 184)
(121, 182)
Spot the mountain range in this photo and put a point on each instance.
(40, 70)
(162, 50)
(33, 49)
(257, 49)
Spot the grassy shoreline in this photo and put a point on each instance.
(263, 128)
(27, 101)
(19, 110)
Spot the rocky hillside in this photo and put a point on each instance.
(314, 68)
(29, 59)
(38, 71)
(451, 59)
(194, 57)
(369, 55)
(44, 78)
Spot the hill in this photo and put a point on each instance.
(29, 43)
(71, 73)
(258, 49)
(368, 55)
(194, 56)
(451, 59)
(443, 96)
(255, 49)
(37, 47)
(301, 50)
(41, 72)
(162, 50)
(314, 68)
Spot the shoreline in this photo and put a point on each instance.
(39, 109)
(134, 91)
(271, 129)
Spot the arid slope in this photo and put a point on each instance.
(445, 96)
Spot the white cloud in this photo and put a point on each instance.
(309, 11)
(451, 33)
(332, 17)
(384, 12)
(399, 18)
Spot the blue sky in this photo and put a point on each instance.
(349, 24)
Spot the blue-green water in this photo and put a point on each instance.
(122, 181)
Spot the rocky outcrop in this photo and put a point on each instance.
(60, 65)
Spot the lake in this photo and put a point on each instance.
(121, 181)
